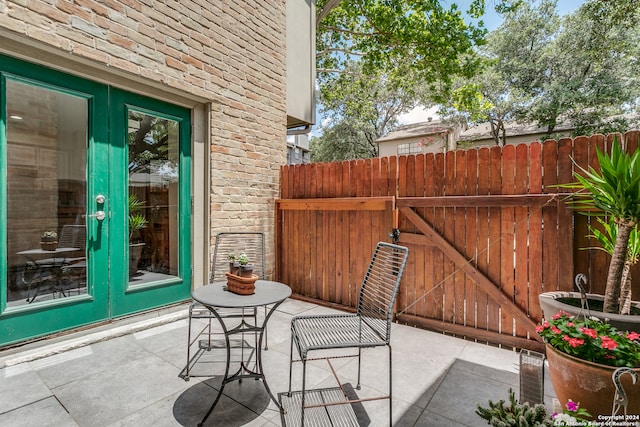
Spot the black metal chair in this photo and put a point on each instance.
(369, 327)
(249, 243)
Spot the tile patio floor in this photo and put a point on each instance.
(126, 374)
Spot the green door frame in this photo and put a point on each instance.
(108, 293)
(127, 299)
(34, 320)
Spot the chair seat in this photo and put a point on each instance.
(333, 331)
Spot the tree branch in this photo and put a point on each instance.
(353, 33)
(337, 49)
(331, 4)
(335, 70)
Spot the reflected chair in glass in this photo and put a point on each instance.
(369, 327)
(74, 271)
(249, 243)
(53, 272)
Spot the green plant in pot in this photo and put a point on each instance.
(246, 269)
(583, 354)
(613, 192)
(234, 266)
(49, 240)
(585, 347)
(137, 221)
(516, 414)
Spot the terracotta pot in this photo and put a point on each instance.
(589, 384)
(49, 246)
(241, 285)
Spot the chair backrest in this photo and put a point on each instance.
(73, 236)
(252, 244)
(380, 287)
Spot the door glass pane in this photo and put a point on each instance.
(46, 193)
(153, 197)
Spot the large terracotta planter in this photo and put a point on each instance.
(550, 304)
(588, 383)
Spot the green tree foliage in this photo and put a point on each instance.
(377, 58)
(545, 69)
(344, 140)
(361, 107)
(383, 33)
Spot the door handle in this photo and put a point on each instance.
(99, 215)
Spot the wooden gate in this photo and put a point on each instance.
(487, 230)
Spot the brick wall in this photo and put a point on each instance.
(230, 52)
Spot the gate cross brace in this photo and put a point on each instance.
(463, 264)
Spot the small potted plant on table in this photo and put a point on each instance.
(49, 241)
(240, 278)
(246, 269)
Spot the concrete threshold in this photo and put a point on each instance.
(89, 335)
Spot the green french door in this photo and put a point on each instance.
(95, 202)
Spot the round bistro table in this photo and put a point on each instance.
(215, 296)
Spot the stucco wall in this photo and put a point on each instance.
(228, 56)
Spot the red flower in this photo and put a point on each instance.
(589, 332)
(539, 328)
(566, 338)
(557, 315)
(633, 335)
(570, 324)
(608, 343)
(555, 330)
(576, 342)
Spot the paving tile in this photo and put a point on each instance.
(109, 395)
(461, 390)
(87, 361)
(188, 407)
(494, 358)
(429, 419)
(45, 412)
(20, 386)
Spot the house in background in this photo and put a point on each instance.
(298, 151)
(431, 136)
(516, 133)
(183, 105)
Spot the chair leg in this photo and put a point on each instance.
(390, 389)
(290, 365)
(359, 366)
(304, 381)
(186, 375)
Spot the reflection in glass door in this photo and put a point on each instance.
(153, 151)
(46, 152)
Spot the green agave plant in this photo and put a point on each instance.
(613, 191)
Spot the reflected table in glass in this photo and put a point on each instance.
(41, 260)
(216, 296)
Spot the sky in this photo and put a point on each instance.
(492, 20)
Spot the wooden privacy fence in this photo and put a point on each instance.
(487, 230)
